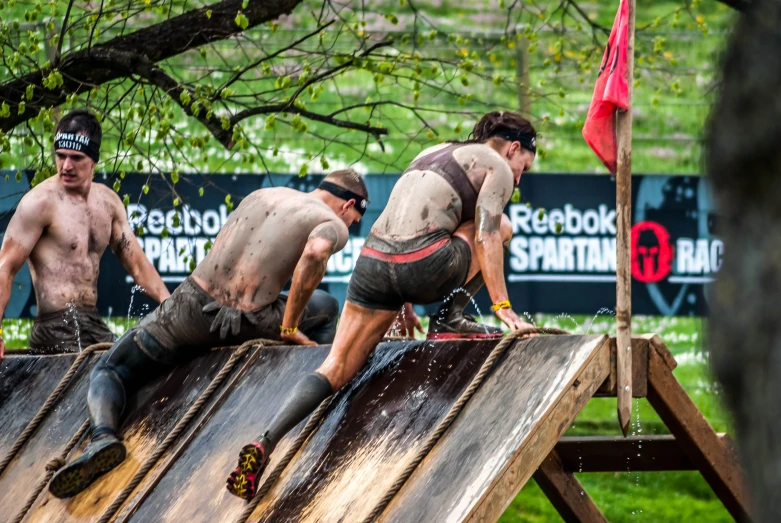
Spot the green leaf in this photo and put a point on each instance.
(29, 92)
(516, 196)
(5, 110)
(200, 191)
(540, 213)
(117, 186)
(184, 97)
(21, 107)
(324, 163)
(176, 202)
(270, 122)
(126, 200)
(208, 14)
(559, 228)
(241, 20)
(244, 4)
(303, 170)
(175, 177)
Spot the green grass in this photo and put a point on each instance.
(623, 497)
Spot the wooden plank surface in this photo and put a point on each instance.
(25, 384)
(192, 489)
(619, 454)
(717, 461)
(52, 435)
(565, 492)
(381, 415)
(152, 412)
(505, 431)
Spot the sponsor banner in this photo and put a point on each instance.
(560, 261)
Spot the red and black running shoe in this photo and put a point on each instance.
(243, 482)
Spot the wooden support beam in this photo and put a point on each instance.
(565, 492)
(623, 240)
(618, 454)
(640, 346)
(717, 462)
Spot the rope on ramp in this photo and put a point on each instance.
(455, 410)
(180, 426)
(32, 426)
(51, 467)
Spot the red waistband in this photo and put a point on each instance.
(406, 257)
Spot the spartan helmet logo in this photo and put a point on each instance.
(652, 254)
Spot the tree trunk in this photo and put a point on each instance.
(743, 161)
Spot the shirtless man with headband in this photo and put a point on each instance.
(62, 226)
(443, 229)
(233, 296)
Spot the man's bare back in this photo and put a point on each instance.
(257, 250)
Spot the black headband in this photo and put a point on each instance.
(77, 142)
(345, 194)
(528, 141)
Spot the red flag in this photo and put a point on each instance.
(610, 92)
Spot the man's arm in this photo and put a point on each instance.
(24, 230)
(125, 246)
(324, 240)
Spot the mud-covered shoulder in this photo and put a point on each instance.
(480, 158)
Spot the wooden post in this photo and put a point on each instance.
(522, 76)
(623, 242)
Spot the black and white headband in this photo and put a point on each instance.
(528, 141)
(77, 142)
(345, 194)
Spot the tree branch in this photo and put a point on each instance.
(738, 5)
(158, 42)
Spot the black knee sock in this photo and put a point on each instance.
(106, 401)
(303, 400)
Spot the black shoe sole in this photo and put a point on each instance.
(79, 475)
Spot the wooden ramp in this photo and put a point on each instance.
(370, 432)
(508, 432)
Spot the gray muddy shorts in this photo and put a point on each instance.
(68, 330)
(181, 323)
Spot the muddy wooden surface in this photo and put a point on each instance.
(372, 430)
(193, 489)
(152, 413)
(25, 383)
(52, 435)
(520, 398)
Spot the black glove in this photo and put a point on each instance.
(227, 318)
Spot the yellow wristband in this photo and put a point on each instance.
(288, 330)
(1, 332)
(501, 305)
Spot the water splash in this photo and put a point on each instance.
(471, 300)
(603, 311)
(73, 313)
(136, 288)
(566, 316)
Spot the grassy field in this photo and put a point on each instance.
(623, 497)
